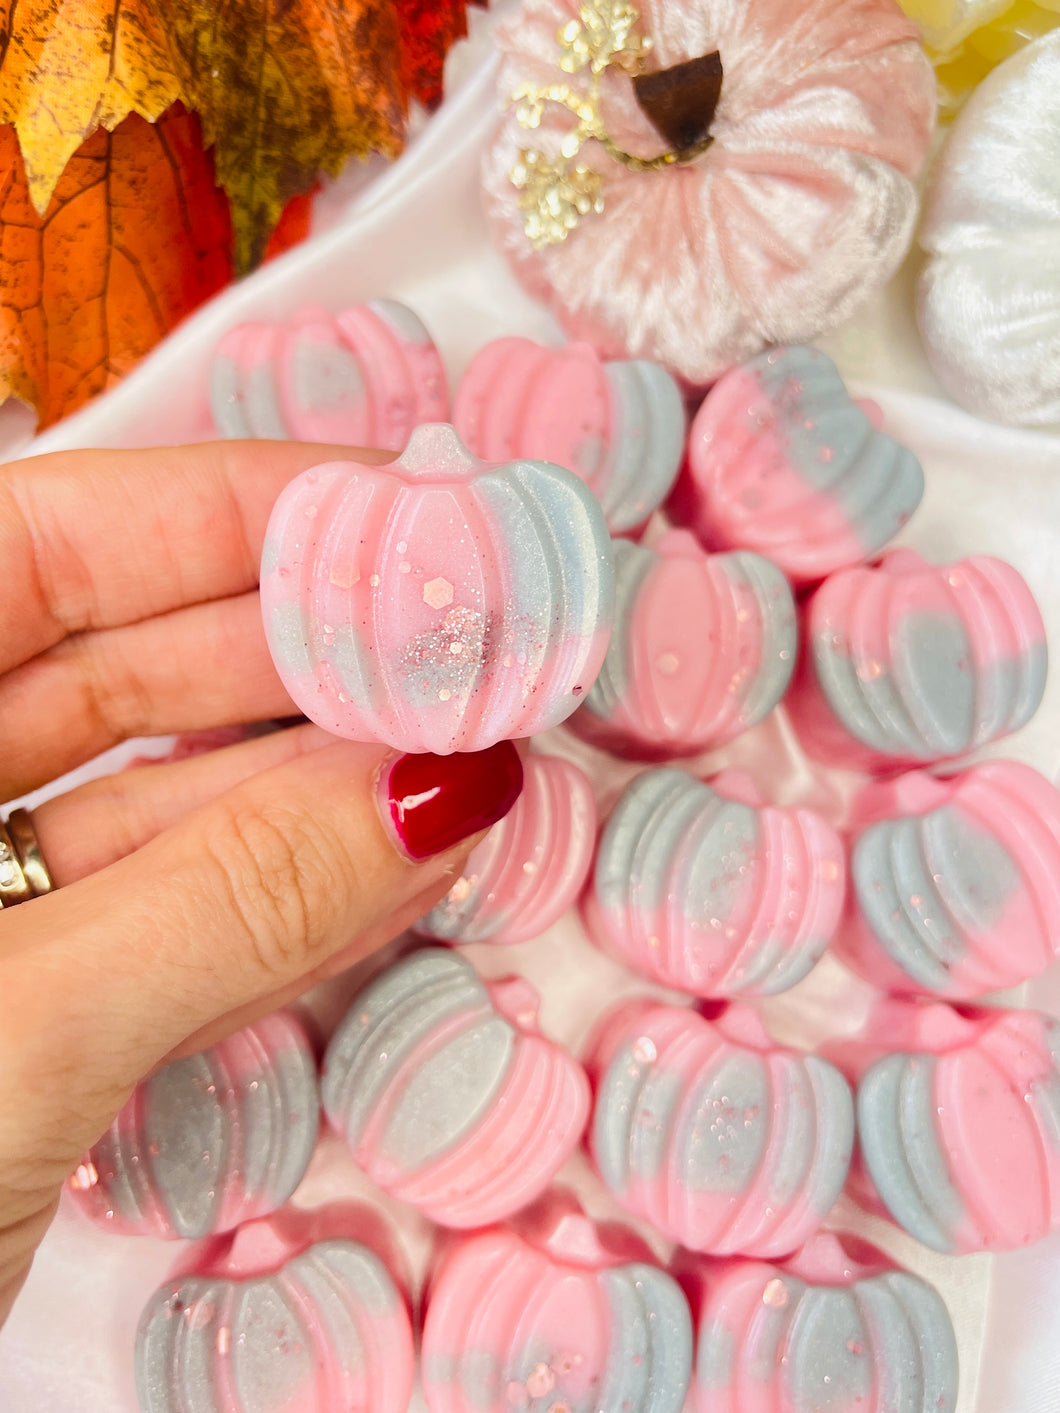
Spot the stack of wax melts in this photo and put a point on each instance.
(446, 603)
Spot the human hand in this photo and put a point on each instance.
(194, 896)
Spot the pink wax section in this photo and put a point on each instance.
(511, 1150)
(1017, 807)
(386, 375)
(492, 1289)
(995, 1101)
(693, 648)
(264, 1246)
(409, 573)
(117, 1183)
(857, 614)
(784, 898)
(531, 866)
(553, 1312)
(740, 491)
(379, 1376)
(497, 409)
(770, 1214)
(834, 1328)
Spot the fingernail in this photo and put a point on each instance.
(432, 802)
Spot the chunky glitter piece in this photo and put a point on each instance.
(555, 1315)
(489, 623)
(835, 1329)
(907, 662)
(364, 377)
(782, 461)
(620, 426)
(706, 889)
(446, 1094)
(209, 1141)
(723, 1140)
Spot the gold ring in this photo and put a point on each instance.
(27, 846)
(23, 872)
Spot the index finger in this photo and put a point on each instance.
(96, 539)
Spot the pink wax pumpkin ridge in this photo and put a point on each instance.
(723, 1140)
(209, 1141)
(530, 867)
(907, 662)
(956, 882)
(620, 426)
(959, 1123)
(703, 647)
(781, 461)
(278, 1323)
(364, 377)
(831, 1329)
(704, 888)
(447, 1096)
(556, 1321)
(437, 603)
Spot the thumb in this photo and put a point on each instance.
(245, 899)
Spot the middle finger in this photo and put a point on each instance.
(193, 669)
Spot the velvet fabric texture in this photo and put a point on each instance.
(989, 296)
(803, 205)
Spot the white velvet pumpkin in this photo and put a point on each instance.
(989, 296)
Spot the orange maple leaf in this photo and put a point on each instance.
(286, 92)
(428, 29)
(136, 236)
(67, 69)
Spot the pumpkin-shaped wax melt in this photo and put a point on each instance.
(955, 883)
(209, 1141)
(782, 461)
(959, 1123)
(556, 1318)
(620, 426)
(278, 1320)
(907, 662)
(703, 648)
(835, 1328)
(447, 1103)
(721, 1139)
(437, 603)
(364, 377)
(704, 888)
(802, 205)
(529, 868)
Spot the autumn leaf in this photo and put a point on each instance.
(428, 29)
(287, 89)
(136, 236)
(67, 69)
(293, 226)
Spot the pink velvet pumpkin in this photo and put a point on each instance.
(803, 204)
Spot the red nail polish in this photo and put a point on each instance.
(432, 802)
